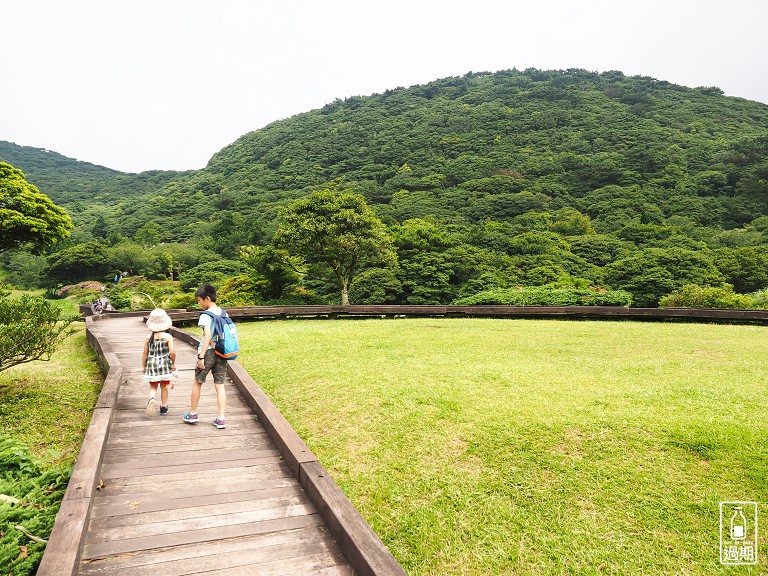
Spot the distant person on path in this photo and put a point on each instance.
(116, 279)
(158, 360)
(207, 360)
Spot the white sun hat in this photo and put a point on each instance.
(158, 320)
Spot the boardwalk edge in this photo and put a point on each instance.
(365, 552)
(62, 554)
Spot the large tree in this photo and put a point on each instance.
(28, 217)
(334, 229)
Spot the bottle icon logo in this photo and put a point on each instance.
(738, 533)
(738, 524)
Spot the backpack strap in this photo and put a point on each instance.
(213, 322)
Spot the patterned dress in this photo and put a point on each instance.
(158, 361)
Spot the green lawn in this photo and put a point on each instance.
(487, 446)
(48, 405)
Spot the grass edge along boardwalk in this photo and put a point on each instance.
(155, 495)
(487, 446)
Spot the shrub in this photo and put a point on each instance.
(215, 273)
(695, 296)
(32, 328)
(120, 298)
(239, 291)
(548, 296)
(182, 301)
(760, 299)
(39, 495)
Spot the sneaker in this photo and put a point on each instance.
(190, 418)
(151, 407)
(219, 423)
(163, 410)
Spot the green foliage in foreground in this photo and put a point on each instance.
(35, 495)
(528, 447)
(548, 296)
(45, 407)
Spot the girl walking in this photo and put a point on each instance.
(158, 360)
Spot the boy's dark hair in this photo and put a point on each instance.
(206, 291)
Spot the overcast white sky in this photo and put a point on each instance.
(164, 84)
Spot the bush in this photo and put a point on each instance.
(182, 301)
(760, 299)
(120, 297)
(39, 494)
(695, 296)
(32, 328)
(548, 296)
(240, 291)
(214, 273)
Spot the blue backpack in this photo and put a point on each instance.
(224, 336)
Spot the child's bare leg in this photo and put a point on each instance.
(164, 395)
(151, 406)
(221, 399)
(195, 397)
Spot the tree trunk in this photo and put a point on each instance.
(345, 292)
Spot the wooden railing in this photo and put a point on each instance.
(565, 312)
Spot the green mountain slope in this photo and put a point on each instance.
(496, 145)
(85, 190)
(464, 149)
(522, 175)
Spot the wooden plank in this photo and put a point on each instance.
(138, 462)
(160, 501)
(310, 565)
(275, 545)
(170, 482)
(62, 554)
(85, 473)
(316, 561)
(113, 471)
(111, 547)
(153, 494)
(176, 410)
(224, 522)
(202, 445)
(188, 509)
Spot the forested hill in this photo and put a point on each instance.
(84, 189)
(548, 172)
(465, 149)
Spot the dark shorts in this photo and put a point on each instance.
(216, 365)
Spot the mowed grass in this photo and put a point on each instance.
(47, 406)
(489, 446)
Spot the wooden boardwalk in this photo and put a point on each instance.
(178, 499)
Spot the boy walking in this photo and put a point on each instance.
(207, 360)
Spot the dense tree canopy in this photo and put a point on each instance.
(334, 229)
(483, 181)
(27, 217)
